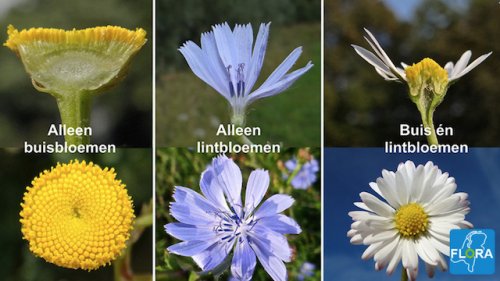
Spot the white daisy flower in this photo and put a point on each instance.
(420, 209)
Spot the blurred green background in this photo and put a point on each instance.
(183, 167)
(362, 109)
(17, 170)
(188, 110)
(121, 115)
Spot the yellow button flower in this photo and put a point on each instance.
(77, 215)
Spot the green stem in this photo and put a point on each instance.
(75, 113)
(428, 123)
(144, 221)
(245, 140)
(427, 115)
(404, 276)
(238, 119)
(121, 267)
(294, 173)
(117, 271)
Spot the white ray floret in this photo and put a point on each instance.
(386, 68)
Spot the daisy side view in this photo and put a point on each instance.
(427, 81)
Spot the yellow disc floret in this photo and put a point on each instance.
(426, 74)
(77, 215)
(411, 220)
(90, 36)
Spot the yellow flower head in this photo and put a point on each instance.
(77, 215)
(427, 75)
(84, 60)
(411, 220)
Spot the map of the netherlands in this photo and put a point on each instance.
(472, 251)
(474, 238)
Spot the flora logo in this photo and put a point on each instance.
(472, 251)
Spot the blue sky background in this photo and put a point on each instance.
(348, 171)
(404, 9)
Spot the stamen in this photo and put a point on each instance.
(231, 87)
(232, 226)
(235, 217)
(252, 224)
(241, 80)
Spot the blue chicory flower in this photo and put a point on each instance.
(306, 175)
(214, 224)
(306, 270)
(227, 63)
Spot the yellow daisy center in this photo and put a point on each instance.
(411, 220)
(77, 215)
(426, 74)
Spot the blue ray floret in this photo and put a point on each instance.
(217, 223)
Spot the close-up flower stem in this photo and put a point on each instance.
(75, 110)
(428, 83)
(75, 65)
(427, 115)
